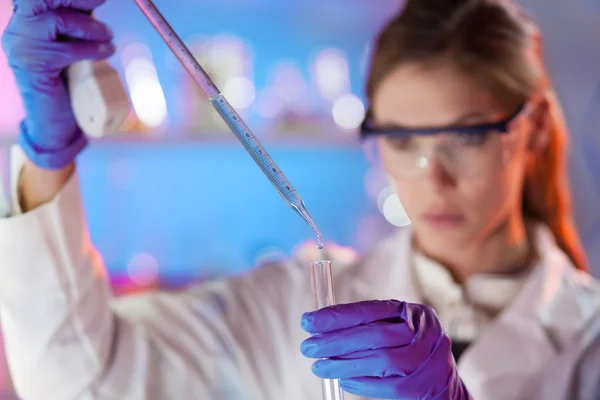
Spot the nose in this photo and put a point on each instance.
(439, 172)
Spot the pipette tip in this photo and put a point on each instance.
(319, 242)
(301, 209)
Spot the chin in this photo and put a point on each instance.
(444, 238)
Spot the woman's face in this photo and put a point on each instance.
(469, 185)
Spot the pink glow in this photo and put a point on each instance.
(11, 110)
(11, 113)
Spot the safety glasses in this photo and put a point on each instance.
(462, 150)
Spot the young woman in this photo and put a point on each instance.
(462, 118)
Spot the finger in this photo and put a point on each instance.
(45, 57)
(64, 22)
(36, 7)
(399, 361)
(76, 25)
(427, 382)
(359, 338)
(93, 51)
(347, 315)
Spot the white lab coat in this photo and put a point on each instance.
(67, 338)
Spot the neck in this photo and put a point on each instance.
(505, 250)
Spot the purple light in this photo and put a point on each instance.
(10, 102)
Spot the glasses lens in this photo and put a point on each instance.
(464, 155)
(476, 154)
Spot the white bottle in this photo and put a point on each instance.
(98, 98)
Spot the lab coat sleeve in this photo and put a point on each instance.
(56, 320)
(574, 373)
(67, 339)
(585, 383)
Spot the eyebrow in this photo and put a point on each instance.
(457, 122)
(471, 116)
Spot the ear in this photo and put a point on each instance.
(539, 126)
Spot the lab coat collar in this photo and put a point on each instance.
(548, 295)
(529, 333)
(385, 271)
(396, 254)
(550, 308)
(489, 293)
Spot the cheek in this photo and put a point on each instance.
(411, 196)
(483, 200)
(490, 199)
(483, 195)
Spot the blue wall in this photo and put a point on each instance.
(205, 208)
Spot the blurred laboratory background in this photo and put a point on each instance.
(173, 197)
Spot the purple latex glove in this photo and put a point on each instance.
(35, 45)
(383, 349)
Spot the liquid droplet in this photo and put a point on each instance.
(319, 242)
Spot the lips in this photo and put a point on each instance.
(443, 219)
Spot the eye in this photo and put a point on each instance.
(401, 143)
(473, 139)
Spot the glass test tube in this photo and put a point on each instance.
(322, 285)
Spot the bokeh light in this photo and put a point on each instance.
(146, 92)
(240, 92)
(348, 111)
(332, 73)
(393, 211)
(142, 269)
(269, 104)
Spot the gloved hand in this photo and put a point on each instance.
(37, 53)
(383, 349)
